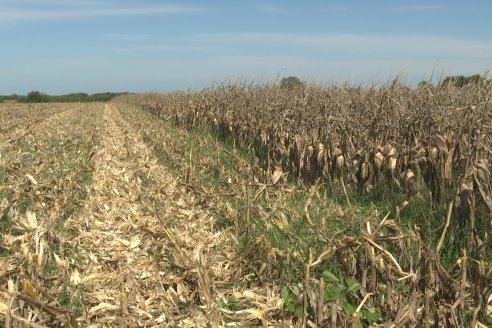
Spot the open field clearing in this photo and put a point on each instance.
(249, 206)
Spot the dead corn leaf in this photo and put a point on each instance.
(29, 222)
(31, 179)
(488, 309)
(101, 308)
(3, 308)
(75, 277)
(277, 174)
(135, 243)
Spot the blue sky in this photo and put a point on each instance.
(62, 46)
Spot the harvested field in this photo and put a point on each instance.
(193, 210)
(22, 117)
(127, 246)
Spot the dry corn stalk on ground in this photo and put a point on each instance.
(138, 252)
(21, 117)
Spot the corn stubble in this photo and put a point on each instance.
(433, 142)
(44, 167)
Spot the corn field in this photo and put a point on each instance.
(437, 137)
(433, 142)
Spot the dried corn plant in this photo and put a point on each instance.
(437, 137)
(395, 275)
(434, 142)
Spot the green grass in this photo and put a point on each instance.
(71, 297)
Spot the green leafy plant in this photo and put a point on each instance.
(230, 303)
(292, 297)
(72, 296)
(345, 291)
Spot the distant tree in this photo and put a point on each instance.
(37, 97)
(423, 84)
(461, 80)
(76, 97)
(291, 82)
(12, 97)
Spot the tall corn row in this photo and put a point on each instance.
(437, 136)
(432, 139)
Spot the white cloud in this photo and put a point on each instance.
(44, 3)
(266, 8)
(419, 8)
(169, 48)
(130, 36)
(75, 9)
(361, 44)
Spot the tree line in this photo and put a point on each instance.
(459, 81)
(40, 97)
